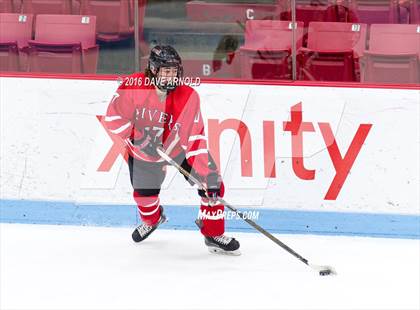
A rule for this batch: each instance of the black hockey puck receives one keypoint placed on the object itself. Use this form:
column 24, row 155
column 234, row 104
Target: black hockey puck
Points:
column 325, row 272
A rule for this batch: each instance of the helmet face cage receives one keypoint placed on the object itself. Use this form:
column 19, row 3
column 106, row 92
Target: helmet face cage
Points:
column 165, row 56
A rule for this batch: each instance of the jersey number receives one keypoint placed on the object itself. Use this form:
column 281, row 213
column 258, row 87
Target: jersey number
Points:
column 158, row 131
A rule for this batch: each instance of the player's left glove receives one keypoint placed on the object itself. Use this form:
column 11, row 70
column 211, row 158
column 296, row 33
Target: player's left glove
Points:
column 147, row 145
column 214, row 187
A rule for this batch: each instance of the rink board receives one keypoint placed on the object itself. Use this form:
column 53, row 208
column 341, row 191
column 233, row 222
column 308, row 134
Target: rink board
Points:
column 53, row 145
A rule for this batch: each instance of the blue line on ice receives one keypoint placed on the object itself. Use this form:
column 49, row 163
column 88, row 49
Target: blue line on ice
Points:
column 182, row 217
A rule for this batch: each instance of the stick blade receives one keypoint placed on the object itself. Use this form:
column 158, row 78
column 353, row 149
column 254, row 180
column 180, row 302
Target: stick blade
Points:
column 324, row 270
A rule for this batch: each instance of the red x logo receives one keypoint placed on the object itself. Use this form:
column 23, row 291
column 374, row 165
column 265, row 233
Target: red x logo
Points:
column 117, row 148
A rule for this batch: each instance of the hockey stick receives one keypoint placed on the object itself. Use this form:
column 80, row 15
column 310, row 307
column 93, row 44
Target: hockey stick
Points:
column 322, row 270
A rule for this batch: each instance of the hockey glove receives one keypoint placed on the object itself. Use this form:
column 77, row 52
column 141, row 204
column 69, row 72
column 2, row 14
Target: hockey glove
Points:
column 146, row 145
column 213, row 191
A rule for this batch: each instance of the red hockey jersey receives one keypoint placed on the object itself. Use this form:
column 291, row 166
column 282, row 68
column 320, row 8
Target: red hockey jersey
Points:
column 176, row 121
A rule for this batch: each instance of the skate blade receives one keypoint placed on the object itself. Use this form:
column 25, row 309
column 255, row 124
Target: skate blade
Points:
column 163, row 220
column 215, row 250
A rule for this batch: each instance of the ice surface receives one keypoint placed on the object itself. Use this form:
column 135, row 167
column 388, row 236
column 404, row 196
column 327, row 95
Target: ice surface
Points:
column 68, row 267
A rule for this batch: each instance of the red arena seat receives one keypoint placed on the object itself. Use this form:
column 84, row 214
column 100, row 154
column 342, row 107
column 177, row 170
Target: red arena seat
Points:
column 9, row 57
column 115, row 18
column 64, row 44
column 47, row 6
column 413, row 12
column 343, row 11
column 7, row 6
column 267, row 49
column 318, row 10
column 333, row 52
column 306, row 10
column 15, row 32
column 393, row 55
column 377, row 11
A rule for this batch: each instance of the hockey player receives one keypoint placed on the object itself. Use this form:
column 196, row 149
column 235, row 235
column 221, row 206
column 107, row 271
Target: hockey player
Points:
column 153, row 109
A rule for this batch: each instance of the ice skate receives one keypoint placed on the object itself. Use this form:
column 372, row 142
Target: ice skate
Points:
column 222, row 245
column 143, row 231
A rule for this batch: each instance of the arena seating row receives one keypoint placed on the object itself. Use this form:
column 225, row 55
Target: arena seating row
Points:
column 115, row 18
column 107, row 11
column 62, row 43
column 362, row 11
column 334, row 51
column 353, row 52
